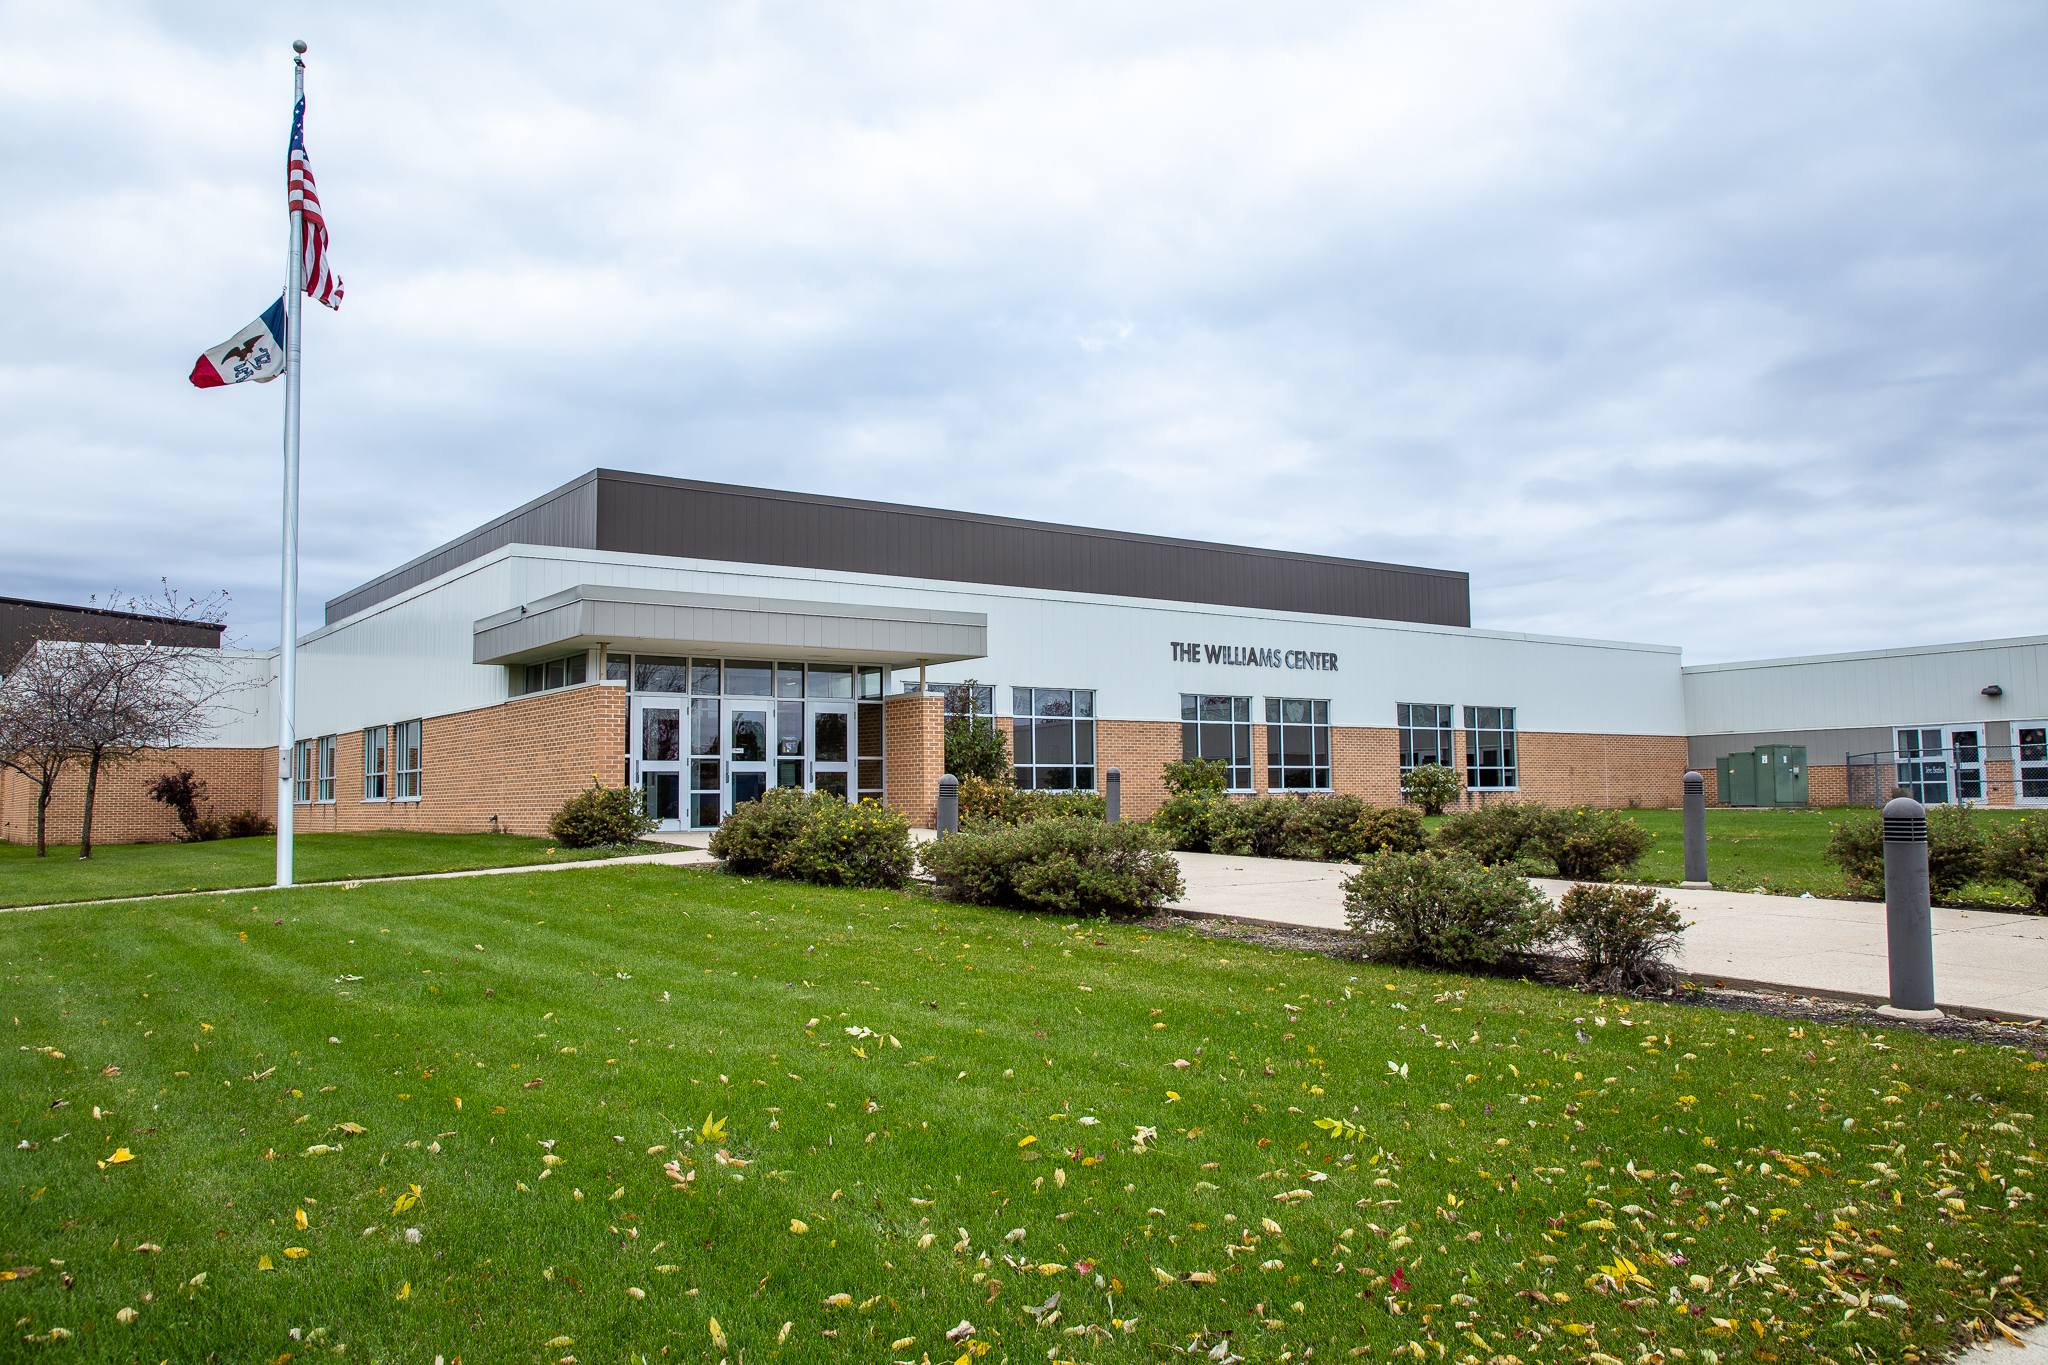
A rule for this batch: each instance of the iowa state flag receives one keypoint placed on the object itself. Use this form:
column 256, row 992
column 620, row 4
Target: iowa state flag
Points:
column 256, row 352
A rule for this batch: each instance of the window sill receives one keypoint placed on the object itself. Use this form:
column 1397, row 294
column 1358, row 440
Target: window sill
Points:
column 405, row 801
column 376, row 800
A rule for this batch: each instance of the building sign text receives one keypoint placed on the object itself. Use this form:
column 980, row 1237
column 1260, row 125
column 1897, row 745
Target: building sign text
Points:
column 1252, row 656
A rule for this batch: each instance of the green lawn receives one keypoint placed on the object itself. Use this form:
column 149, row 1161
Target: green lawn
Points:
column 468, row 1090
column 1780, row 851
column 151, row 869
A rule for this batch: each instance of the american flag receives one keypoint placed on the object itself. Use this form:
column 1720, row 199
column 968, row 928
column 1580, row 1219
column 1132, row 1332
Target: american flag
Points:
column 304, row 198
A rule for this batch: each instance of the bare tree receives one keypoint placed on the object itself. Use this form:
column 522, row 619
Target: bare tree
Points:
column 35, row 736
column 100, row 703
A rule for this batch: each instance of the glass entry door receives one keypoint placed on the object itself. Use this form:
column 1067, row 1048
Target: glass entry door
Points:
column 2030, row 762
column 832, row 748
column 1923, row 766
column 747, row 751
column 657, row 737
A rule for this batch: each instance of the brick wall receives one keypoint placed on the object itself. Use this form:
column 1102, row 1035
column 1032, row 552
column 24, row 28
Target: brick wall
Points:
column 236, row 779
column 914, row 755
column 517, row 761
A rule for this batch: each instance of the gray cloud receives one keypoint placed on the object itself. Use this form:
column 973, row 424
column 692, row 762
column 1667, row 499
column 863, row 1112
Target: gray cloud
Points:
column 1694, row 327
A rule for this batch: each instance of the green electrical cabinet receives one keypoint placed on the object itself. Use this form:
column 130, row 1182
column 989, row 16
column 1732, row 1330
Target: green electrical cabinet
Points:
column 1737, row 780
column 1771, row 775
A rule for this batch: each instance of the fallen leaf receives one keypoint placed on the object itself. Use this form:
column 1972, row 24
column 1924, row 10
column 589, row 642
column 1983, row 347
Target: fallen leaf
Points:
column 297, row 1253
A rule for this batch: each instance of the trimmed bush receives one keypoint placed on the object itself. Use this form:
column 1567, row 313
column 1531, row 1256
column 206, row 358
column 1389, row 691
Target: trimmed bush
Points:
column 815, row 838
column 1258, row 827
column 1957, row 853
column 1622, row 937
column 2019, row 851
column 1443, row 909
column 759, row 837
column 1387, row 829
column 1591, row 845
column 246, row 824
column 1432, row 786
column 1496, row 833
column 1073, row 865
column 996, row 802
column 601, row 815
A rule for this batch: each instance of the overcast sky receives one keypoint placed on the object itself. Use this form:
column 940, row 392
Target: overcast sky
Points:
column 1711, row 325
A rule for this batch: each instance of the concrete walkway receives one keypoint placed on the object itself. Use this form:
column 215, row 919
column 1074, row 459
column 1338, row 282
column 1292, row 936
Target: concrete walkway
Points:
column 1996, row 964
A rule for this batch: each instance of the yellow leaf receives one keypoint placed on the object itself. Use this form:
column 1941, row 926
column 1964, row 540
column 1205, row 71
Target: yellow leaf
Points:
column 1597, row 1225
column 1171, row 1095
column 799, row 1226
column 713, row 1131
column 717, row 1335
column 265, row 1263
column 120, row 1155
column 1027, row 1140
column 839, row 1301
column 559, row 1341
column 296, row 1253
column 902, row 1342
column 404, row 1291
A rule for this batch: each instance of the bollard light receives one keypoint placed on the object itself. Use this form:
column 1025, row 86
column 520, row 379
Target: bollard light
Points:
column 949, row 805
column 1113, row 796
column 1908, row 912
column 1696, row 834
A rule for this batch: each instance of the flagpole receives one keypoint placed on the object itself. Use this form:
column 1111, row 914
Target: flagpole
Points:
column 288, row 627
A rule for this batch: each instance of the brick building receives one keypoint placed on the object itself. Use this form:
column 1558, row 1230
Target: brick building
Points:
column 701, row 643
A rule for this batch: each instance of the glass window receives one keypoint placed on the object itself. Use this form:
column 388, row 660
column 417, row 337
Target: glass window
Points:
column 374, row 762
column 2033, row 760
column 618, row 668
column 704, row 677
column 1052, row 734
column 652, row 673
column 1219, row 728
column 1425, row 735
column 578, row 666
column 704, row 732
column 325, row 756
column 302, row 772
column 749, row 736
column 830, row 682
column 789, row 733
column 1490, row 747
column 535, row 678
column 968, row 698
column 405, row 744
column 870, row 683
column 1297, row 744
column 789, row 680
column 661, row 738
column 1923, row 766
column 747, row 678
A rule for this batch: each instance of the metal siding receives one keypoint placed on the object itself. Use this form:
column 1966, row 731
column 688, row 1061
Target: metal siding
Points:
column 1822, row 746
column 1934, row 685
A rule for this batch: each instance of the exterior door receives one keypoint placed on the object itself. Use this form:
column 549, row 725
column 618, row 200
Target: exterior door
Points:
column 2030, row 762
column 1923, row 766
column 1966, row 759
column 657, row 739
column 746, row 751
column 832, row 747
column 706, row 764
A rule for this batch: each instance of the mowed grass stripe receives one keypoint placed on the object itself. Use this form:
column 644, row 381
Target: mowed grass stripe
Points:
column 687, row 993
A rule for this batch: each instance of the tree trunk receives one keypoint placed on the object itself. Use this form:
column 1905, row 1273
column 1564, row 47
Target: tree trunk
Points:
column 43, row 795
column 92, row 780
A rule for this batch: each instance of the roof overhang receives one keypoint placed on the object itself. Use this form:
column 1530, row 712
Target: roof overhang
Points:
column 647, row 620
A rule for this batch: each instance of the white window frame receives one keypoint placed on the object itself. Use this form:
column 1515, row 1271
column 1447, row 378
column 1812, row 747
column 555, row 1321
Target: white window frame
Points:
column 303, row 761
column 377, row 763
column 323, row 773
column 1319, row 764
column 1081, row 721
column 407, row 738
column 1512, row 734
column 1240, row 730
column 1443, row 733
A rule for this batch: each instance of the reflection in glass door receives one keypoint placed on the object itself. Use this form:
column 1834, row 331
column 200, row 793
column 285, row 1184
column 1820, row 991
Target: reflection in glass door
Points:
column 2030, row 762
column 831, row 734
column 704, row 765
column 659, row 735
column 748, row 757
column 1923, row 766
column 789, row 742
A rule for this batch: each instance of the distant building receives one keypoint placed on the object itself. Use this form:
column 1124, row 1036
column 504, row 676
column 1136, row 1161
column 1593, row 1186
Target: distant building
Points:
column 703, row 643
column 23, row 622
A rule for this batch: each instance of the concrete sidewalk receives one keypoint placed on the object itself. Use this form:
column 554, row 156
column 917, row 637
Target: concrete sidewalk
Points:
column 1983, row 961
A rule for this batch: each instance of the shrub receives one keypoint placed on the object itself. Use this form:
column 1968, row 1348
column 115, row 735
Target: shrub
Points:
column 1442, row 908
column 245, row 824
column 1622, row 936
column 1324, row 827
column 1957, row 852
column 995, row 802
column 2019, row 851
column 815, row 838
column 1494, row 834
column 1069, row 864
column 1432, row 786
column 1588, row 844
column 1387, row 829
column 864, row 844
column 1188, row 820
column 1197, row 776
column 183, row 792
column 601, row 815
column 1256, row 826
column 758, row 836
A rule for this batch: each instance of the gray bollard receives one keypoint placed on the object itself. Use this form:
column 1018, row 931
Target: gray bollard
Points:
column 1696, row 834
column 1113, row 794
column 1908, row 917
column 949, row 805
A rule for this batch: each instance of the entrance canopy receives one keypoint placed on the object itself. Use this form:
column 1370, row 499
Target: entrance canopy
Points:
column 654, row 621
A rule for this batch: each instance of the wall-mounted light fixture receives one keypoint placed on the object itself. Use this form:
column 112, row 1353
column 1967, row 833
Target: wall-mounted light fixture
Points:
column 1994, row 691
